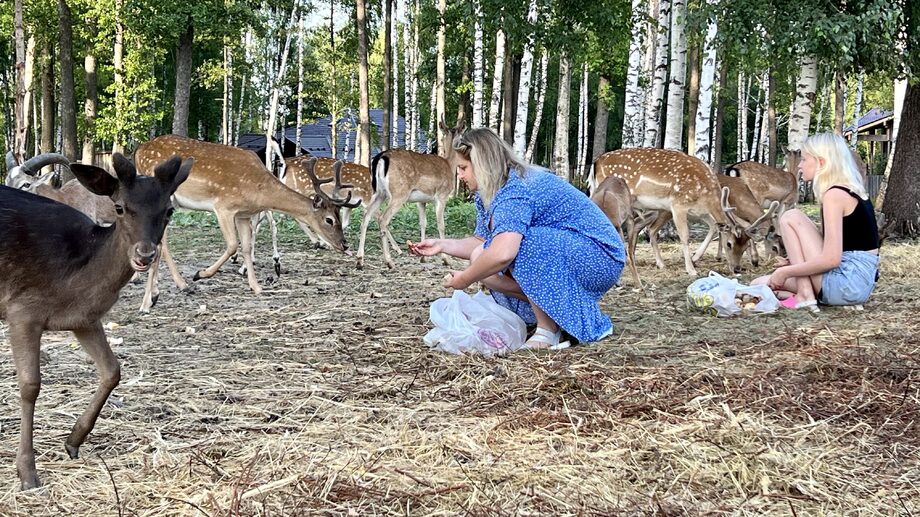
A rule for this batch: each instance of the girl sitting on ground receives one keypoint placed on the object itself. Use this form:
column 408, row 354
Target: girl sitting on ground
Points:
column 838, row 265
column 542, row 247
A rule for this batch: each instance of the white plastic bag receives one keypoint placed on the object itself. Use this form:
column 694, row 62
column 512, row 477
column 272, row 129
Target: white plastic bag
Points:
column 474, row 324
column 716, row 294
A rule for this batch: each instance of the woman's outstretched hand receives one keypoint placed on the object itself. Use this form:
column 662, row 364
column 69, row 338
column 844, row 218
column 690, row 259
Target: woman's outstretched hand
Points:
column 426, row 248
column 454, row 280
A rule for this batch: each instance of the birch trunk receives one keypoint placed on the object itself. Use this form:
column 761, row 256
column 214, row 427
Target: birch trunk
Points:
column 48, row 108
column 407, row 82
column 118, row 57
column 227, row 103
column 299, row 116
column 498, row 76
column 719, row 118
column 800, row 118
column 364, row 117
column 523, row 96
column 394, row 45
column 334, row 112
column 655, row 100
column 857, row 108
column 29, row 109
column 702, row 145
column 477, row 64
column 771, row 120
column 561, row 144
column 753, row 150
column 840, row 103
column 583, row 122
column 694, row 93
column 21, row 113
column 433, row 133
column 68, row 93
column 633, row 98
column 275, row 81
column 541, row 98
column 387, row 74
column 900, row 91
column 416, row 117
column 442, row 43
column 741, row 141
column 673, row 135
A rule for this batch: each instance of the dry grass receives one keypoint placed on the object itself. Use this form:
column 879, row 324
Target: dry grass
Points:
column 320, row 398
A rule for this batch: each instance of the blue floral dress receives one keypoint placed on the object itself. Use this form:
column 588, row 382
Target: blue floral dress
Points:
column 570, row 254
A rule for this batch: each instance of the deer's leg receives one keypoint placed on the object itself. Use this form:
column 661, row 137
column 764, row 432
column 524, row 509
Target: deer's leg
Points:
column 440, row 204
column 93, row 341
column 755, row 257
column 254, row 223
column 152, row 290
column 392, row 207
column 276, row 255
column 345, row 216
column 630, row 257
column 242, row 228
column 661, row 220
column 683, row 231
column 25, row 341
column 228, row 227
column 372, row 209
column 709, row 235
column 422, row 209
column 171, row 264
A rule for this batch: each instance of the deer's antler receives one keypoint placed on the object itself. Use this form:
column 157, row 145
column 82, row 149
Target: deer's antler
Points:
column 317, row 185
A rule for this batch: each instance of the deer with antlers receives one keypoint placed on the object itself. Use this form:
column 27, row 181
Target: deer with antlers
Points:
column 402, row 176
column 62, row 272
column 670, row 181
column 22, row 176
column 234, row 184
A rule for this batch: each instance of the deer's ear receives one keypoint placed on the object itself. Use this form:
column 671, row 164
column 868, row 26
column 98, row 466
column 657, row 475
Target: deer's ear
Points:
column 174, row 171
column 124, row 168
column 96, row 180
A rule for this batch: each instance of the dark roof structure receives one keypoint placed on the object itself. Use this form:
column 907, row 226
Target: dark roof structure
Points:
column 871, row 118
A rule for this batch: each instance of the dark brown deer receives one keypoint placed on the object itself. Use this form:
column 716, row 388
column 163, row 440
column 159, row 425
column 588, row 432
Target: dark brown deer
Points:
column 62, row 272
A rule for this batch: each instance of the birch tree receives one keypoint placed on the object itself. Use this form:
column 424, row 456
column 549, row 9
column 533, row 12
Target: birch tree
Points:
column 387, row 74
column 364, row 136
column 600, row 118
column 704, row 106
column 21, row 113
column 541, row 97
column 477, row 64
column 523, row 96
column 857, row 108
column 68, row 94
column 655, row 99
column 674, row 127
column 89, row 105
column 275, row 83
column 299, row 119
column 800, row 116
column 561, row 145
column 582, row 123
column 498, row 74
column 633, row 97
column 441, row 78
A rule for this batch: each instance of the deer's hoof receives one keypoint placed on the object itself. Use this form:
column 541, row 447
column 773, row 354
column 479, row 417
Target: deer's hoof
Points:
column 360, row 263
column 153, row 301
column 197, row 276
column 391, row 264
column 73, row 452
column 277, row 267
column 30, row 482
column 242, row 271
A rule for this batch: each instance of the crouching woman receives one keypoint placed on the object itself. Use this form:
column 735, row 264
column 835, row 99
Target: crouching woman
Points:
column 543, row 249
column 838, row 266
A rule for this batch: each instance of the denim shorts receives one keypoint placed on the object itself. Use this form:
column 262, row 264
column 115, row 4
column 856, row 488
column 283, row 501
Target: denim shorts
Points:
column 852, row 281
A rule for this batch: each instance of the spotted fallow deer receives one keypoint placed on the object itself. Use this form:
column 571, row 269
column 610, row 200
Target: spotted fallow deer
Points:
column 235, row 185
column 62, row 272
column 614, row 199
column 746, row 212
column 399, row 176
column 671, row 181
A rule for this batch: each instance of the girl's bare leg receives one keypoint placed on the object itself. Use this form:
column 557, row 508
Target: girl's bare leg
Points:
column 803, row 242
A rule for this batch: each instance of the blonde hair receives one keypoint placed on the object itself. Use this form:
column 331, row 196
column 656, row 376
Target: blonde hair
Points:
column 492, row 160
column 838, row 168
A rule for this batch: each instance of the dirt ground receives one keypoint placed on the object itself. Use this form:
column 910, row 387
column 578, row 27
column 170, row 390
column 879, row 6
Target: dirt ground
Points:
column 319, row 397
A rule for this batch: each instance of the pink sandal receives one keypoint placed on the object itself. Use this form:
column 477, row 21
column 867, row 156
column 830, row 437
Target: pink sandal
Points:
column 792, row 303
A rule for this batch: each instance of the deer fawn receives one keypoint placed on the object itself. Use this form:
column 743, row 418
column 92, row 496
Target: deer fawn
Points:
column 614, row 199
column 235, row 185
column 62, row 272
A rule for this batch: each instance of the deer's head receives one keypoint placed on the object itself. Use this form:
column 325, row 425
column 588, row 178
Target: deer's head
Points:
column 142, row 203
column 327, row 222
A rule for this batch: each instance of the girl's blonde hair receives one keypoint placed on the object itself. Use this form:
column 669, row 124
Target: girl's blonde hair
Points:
column 839, row 166
column 492, row 160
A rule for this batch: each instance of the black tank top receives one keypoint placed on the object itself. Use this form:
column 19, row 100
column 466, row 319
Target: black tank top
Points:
column 860, row 231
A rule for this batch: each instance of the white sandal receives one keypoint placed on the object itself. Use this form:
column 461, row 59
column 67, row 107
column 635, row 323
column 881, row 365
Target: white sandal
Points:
column 543, row 339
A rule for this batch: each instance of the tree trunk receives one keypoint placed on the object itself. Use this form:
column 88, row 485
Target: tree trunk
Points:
column 227, row 103
column 600, row 119
column 857, row 109
column 334, row 112
column 498, row 75
column 477, row 64
column 48, row 107
column 655, row 100
column 89, row 105
column 21, row 113
column 561, row 144
column 800, row 118
column 363, row 87
column 673, row 135
column 694, row 94
column 523, row 95
column 387, row 73
column 441, row 78
column 753, row 149
column 633, row 98
column 394, row 63
column 741, row 140
column 839, row 101
column 183, row 80
column 416, row 108
column 902, row 212
column 464, row 101
column 118, row 57
column 68, row 95
column 900, row 91
column 541, row 98
column 275, row 83
column 771, row 120
column 582, row 123
column 720, row 117
column 702, row 145
column 508, row 102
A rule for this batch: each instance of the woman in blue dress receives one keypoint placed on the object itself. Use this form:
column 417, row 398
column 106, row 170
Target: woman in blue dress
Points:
column 541, row 246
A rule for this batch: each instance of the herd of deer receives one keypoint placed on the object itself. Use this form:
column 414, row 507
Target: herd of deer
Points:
column 64, row 266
